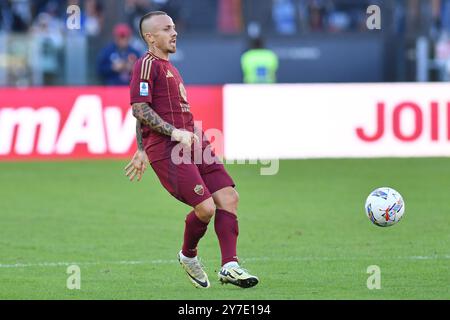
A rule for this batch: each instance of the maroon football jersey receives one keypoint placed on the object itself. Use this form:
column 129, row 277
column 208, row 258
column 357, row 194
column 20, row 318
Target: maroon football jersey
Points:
column 157, row 82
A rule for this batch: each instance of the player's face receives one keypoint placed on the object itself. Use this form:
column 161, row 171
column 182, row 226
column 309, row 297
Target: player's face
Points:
column 164, row 35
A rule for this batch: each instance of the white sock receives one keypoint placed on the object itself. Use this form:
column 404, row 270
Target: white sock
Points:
column 182, row 256
column 231, row 264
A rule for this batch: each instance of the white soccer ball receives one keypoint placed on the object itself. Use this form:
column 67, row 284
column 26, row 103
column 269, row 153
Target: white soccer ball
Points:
column 385, row 207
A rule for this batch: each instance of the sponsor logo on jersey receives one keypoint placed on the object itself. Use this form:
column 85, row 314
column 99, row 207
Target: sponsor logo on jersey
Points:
column 143, row 89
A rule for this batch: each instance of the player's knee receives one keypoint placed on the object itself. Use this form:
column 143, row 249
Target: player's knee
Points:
column 206, row 210
column 229, row 201
column 233, row 198
column 210, row 210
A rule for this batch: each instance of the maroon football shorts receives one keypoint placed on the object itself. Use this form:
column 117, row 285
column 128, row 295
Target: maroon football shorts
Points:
column 192, row 183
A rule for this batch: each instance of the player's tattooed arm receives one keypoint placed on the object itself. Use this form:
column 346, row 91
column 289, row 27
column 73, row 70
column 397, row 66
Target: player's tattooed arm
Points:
column 138, row 164
column 146, row 115
column 140, row 143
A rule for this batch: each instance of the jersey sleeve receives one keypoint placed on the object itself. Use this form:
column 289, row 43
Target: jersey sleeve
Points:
column 142, row 81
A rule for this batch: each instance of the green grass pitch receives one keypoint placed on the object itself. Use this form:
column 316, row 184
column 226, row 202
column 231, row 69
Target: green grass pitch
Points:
column 303, row 232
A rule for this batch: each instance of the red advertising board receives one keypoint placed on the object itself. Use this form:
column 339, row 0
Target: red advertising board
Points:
column 83, row 122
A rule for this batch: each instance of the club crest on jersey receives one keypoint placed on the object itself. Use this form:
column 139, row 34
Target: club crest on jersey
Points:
column 143, row 89
column 199, row 190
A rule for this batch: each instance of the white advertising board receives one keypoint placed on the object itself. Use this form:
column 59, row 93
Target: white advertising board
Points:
column 336, row 120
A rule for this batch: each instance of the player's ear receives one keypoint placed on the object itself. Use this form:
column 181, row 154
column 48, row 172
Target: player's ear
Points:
column 149, row 37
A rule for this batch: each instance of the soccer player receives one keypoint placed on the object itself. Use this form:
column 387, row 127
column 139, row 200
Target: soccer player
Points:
column 164, row 120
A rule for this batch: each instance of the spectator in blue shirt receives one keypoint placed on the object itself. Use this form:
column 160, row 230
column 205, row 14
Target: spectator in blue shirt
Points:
column 116, row 60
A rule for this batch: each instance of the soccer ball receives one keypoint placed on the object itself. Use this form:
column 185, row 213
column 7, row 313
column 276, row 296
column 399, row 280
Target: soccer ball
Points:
column 385, row 207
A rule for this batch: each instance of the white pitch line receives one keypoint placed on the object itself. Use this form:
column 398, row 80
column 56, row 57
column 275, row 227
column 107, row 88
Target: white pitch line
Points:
column 64, row 264
column 160, row 261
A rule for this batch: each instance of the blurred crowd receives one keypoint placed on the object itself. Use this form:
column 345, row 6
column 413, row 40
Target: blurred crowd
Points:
column 114, row 24
column 20, row 16
column 223, row 16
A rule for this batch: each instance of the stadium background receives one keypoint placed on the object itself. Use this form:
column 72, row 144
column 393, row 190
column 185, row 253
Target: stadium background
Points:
column 354, row 109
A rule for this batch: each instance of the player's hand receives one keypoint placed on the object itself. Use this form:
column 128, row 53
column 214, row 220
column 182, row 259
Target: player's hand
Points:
column 184, row 137
column 137, row 166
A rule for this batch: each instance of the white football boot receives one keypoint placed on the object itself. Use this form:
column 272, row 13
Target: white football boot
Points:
column 234, row 274
column 194, row 270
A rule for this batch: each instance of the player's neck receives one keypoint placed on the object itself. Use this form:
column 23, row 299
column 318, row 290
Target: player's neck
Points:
column 160, row 54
